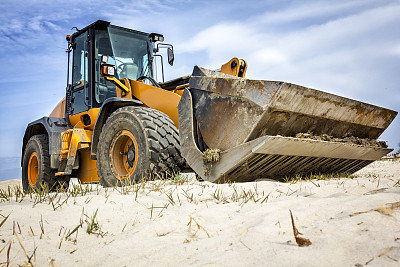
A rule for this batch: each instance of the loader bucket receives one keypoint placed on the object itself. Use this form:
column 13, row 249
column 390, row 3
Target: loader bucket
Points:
column 239, row 129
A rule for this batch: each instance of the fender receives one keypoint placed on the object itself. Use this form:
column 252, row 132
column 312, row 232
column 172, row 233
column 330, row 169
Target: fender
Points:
column 109, row 106
column 51, row 126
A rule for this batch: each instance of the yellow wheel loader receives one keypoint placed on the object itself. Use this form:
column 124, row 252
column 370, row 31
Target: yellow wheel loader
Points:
column 117, row 124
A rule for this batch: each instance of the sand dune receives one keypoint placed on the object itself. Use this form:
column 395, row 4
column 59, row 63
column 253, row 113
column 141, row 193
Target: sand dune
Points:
column 350, row 222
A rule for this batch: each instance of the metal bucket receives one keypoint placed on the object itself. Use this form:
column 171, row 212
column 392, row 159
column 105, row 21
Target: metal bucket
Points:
column 254, row 123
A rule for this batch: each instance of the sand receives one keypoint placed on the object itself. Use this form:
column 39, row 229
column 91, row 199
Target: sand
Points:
column 348, row 221
column 5, row 184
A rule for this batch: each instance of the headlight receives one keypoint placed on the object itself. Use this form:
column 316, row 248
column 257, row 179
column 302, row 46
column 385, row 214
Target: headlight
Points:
column 107, row 70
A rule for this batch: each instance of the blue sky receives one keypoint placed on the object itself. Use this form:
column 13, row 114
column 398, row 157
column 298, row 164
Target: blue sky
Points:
column 350, row 48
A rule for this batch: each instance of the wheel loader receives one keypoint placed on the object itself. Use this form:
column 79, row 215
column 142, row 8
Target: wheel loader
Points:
column 117, row 124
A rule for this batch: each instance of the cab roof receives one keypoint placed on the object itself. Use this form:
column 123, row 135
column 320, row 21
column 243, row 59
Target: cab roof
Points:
column 102, row 25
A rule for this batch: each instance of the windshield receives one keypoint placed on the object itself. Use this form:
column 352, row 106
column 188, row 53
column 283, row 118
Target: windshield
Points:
column 130, row 52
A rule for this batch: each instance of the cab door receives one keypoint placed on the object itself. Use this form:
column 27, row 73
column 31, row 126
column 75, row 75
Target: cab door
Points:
column 80, row 75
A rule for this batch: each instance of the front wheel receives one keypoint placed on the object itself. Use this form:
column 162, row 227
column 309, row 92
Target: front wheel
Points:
column 137, row 143
column 36, row 171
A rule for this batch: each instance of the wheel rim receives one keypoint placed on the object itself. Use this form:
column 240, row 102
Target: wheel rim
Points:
column 33, row 169
column 123, row 155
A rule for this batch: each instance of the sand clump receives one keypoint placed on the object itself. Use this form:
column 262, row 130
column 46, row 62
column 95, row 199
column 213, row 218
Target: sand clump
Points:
column 210, row 156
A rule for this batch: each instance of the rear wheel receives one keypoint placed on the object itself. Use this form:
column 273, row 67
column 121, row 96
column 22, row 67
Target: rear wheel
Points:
column 36, row 171
column 137, row 143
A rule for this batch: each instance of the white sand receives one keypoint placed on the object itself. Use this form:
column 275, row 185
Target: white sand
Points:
column 5, row 184
column 240, row 233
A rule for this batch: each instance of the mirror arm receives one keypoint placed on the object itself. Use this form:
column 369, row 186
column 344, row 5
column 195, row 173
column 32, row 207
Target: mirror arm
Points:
column 162, row 45
column 169, row 46
column 162, row 65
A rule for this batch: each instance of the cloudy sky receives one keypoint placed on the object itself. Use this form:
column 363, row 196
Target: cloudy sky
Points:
column 350, row 48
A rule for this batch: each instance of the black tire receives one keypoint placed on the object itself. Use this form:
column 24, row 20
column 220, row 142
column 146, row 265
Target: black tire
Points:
column 46, row 178
column 157, row 146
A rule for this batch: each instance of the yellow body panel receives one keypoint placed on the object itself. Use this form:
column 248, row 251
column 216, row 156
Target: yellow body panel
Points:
column 73, row 140
column 93, row 113
column 87, row 172
column 66, row 138
column 59, row 110
column 157, row 98
column 179, row 92
column 125, row 92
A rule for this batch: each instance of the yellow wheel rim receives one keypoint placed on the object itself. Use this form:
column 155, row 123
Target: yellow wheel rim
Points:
column 33, row 169
column 123, row 155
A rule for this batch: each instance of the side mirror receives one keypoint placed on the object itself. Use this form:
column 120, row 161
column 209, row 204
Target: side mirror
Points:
column 170, row 53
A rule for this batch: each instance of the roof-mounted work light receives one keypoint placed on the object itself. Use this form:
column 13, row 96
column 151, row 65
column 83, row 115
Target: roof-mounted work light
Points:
column 156, row 37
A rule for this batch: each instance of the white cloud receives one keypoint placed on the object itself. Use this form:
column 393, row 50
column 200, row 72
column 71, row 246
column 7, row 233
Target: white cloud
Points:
column 307, row 10
column 36, row 23
column 396, row 50
column 271, row 55
column 330, row 45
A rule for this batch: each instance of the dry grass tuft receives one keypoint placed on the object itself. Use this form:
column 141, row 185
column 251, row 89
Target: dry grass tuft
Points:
column 197, row 227
column 386, row 209
column 316, row 176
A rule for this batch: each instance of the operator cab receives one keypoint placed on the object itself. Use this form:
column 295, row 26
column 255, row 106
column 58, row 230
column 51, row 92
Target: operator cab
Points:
column 130, row 51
